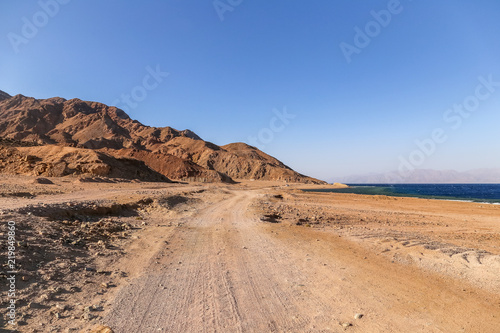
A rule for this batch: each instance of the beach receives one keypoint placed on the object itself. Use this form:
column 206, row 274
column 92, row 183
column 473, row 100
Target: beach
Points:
column 255, row 256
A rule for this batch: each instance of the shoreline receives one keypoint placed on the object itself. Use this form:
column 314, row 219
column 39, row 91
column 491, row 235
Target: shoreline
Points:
column 451, row 237
column 384, row 190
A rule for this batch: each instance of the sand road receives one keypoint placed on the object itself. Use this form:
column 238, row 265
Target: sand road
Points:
column 226, row 271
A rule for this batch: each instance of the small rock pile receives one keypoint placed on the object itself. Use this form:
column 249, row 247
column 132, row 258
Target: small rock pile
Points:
column 81, row 233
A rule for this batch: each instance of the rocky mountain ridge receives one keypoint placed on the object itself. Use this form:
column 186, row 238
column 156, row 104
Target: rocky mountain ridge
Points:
column 109, row 131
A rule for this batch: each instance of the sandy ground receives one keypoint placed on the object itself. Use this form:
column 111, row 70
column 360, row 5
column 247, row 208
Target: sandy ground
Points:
column 152, row 257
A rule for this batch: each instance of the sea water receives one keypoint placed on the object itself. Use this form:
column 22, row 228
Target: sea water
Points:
column 467, row 192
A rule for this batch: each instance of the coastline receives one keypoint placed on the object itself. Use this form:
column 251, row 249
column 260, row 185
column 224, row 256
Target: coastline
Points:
column 463, row 228
column 402, row 190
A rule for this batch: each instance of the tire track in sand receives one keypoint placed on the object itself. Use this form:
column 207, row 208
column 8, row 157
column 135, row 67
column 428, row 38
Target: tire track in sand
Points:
column 224, row 271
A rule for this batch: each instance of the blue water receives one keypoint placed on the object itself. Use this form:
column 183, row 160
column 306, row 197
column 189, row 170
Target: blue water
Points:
column 470, row 192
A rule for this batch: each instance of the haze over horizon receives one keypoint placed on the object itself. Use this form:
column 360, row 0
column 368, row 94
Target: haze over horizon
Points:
column 331, row 89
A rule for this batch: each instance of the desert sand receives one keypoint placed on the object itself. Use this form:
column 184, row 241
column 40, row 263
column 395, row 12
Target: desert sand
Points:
column 126, row 256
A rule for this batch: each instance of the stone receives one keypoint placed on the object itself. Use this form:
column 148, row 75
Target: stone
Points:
column 44, row 181
column 88, row 316
column 62, row 307
column 102, row 329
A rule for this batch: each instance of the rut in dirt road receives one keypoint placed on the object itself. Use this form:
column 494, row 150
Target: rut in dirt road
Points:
column 225, row 271
column 209, row 280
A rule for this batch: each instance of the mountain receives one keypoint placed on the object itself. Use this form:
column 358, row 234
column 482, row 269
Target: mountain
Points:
column 3, row 95
column 110, row 132
column 420, row 176
column 485, row 175
column 58, row 161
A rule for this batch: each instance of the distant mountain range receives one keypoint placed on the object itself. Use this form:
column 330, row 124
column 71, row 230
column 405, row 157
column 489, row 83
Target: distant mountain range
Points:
column 421, row 176
column 58, row 137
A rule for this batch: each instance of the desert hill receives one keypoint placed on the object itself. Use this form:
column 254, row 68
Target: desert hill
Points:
column 58, row 161
column 4, row 95
column 107, row 135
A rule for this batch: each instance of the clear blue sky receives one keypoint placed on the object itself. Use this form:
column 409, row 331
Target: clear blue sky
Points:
column 227, row 76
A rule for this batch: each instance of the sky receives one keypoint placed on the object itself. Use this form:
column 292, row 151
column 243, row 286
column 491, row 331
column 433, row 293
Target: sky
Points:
column 331, row 88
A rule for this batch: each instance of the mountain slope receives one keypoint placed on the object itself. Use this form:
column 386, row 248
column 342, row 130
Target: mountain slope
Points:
column 3, row 95
column 180, row 155
column 58, row 161
column 78, row 123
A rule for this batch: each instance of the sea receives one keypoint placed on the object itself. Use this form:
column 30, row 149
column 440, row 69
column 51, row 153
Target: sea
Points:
column 487, row 193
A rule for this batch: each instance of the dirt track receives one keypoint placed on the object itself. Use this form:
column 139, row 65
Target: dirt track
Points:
column 226, row 271
column 198, row 258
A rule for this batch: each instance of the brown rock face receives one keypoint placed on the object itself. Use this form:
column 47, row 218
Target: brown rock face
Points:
column 102, row 137
column 3, row 95
column 102, row 329
column 58, row 161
